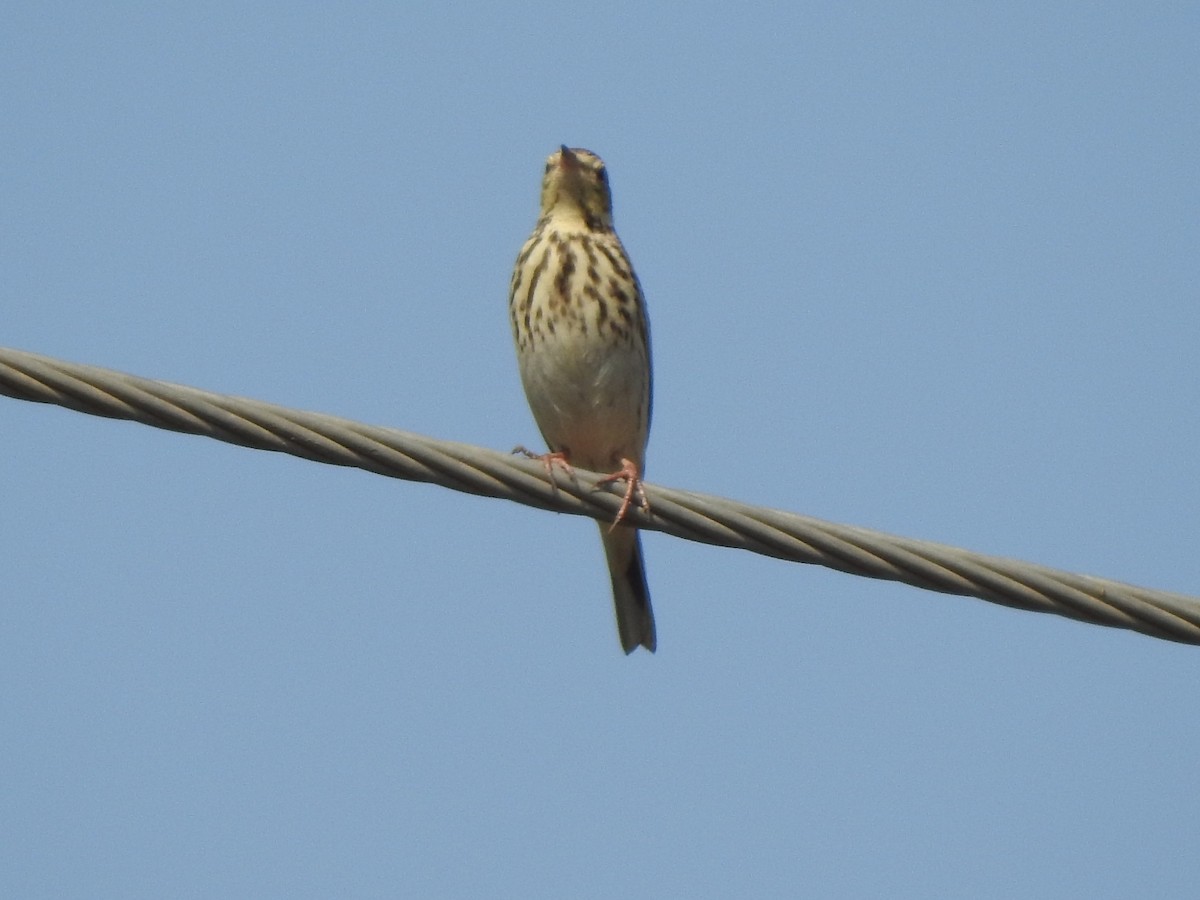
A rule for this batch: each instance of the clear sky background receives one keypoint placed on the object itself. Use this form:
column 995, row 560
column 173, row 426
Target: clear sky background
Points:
column 929, row 268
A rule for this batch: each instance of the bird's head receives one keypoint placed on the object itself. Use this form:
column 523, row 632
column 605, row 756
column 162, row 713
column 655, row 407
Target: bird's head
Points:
column 576, row 185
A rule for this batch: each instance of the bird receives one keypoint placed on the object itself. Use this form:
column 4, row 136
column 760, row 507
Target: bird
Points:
column 582, row 338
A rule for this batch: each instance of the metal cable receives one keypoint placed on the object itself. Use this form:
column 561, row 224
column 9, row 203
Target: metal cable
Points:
column 698, row 517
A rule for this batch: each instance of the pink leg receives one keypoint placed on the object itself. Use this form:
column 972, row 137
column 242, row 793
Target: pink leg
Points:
column 548, row 460
column 633, row 479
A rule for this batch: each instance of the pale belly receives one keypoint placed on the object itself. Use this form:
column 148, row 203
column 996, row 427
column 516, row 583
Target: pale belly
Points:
column 590, row 398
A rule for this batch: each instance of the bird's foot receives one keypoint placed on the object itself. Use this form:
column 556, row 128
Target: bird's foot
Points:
column 633, row 488
column 548, row 460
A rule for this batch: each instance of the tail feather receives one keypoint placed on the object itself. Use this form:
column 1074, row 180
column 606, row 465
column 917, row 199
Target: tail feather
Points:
column 631, row 595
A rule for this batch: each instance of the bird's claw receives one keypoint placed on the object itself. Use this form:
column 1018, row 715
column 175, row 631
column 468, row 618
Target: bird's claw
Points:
column 633, row 488
column 548, row 460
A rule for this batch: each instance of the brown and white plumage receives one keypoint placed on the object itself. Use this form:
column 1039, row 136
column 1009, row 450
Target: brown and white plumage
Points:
column 583, row 347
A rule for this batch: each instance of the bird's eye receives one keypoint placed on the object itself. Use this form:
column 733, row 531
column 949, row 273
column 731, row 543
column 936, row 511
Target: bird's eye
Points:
column 602, row 174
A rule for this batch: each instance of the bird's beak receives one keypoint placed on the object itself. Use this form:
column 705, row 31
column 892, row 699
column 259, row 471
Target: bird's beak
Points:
column 568, row 157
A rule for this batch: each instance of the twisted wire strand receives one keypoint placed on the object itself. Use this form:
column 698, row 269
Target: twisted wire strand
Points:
column 697, row 517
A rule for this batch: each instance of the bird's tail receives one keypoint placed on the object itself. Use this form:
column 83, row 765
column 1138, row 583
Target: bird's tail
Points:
column 631, row 596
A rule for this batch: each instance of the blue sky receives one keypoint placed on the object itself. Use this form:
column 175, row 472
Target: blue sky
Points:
column 928, row 268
